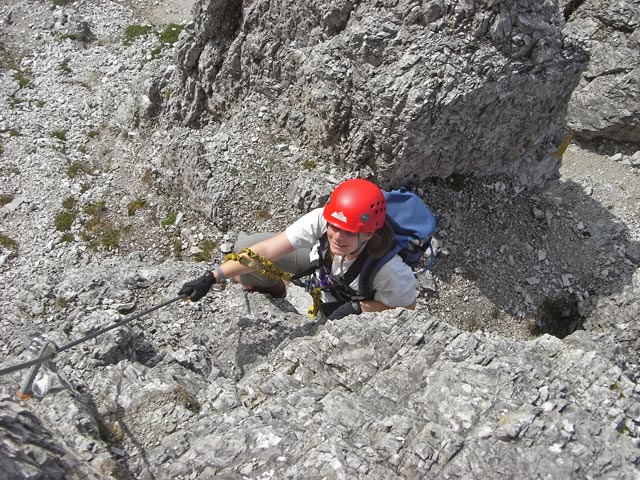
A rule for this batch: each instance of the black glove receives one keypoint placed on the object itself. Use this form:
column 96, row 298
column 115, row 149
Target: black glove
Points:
column 349, row 308
column 198, row 288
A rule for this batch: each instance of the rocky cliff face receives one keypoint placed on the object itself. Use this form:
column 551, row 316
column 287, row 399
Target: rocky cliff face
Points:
column 99, row 218
column 606, row 103
column 248, row 388
column 409, row 87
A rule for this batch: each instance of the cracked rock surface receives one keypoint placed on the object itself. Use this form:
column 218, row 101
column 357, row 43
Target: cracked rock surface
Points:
column 520, row 361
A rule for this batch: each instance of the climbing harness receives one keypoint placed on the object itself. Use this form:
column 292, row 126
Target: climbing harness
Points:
column 48, row 350
column 318, row 279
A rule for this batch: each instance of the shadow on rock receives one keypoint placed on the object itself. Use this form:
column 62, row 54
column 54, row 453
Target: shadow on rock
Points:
column 257, row 338
column 539, row 256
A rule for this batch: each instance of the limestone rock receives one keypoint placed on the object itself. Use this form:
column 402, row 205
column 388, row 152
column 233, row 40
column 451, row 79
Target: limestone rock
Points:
column 606, row 103
column 240, row 385
column 428, row 88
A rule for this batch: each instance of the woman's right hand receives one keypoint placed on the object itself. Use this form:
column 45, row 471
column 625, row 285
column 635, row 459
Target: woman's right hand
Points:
column 198, row 288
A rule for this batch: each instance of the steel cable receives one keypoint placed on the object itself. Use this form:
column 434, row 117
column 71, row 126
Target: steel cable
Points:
column 20, row 366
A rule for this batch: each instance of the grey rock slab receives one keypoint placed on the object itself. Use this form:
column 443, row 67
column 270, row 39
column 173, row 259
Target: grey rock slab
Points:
column 403, row 90
column 605, row 102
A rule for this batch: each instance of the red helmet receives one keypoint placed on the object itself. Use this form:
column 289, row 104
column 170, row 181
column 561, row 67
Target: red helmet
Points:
column 356, row 206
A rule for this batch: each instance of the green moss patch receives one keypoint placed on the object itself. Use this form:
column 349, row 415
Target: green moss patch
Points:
column 5, row 198
column 64, row 220
column 134, row 31
column 9, row 243
column 135, row 205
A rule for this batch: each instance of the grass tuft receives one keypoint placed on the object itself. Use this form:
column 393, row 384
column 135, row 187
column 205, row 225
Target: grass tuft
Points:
column 95, row 208
column 262, row 214
column 62, row 303
column 99, row 231
column 64, row 67
column 207, row 248
column 309, row 164
column 170, row 219
column 22, row 77
column 69, row 203
column 60, row 135
column 136, row 205
column 9, row 243
column 110, row 239
column 167, row 37
column 134, row 31
column 64, row 220
column 76, row 168
column 185, row 398
column 6, row 198
column 147, row 177
column 170, row 35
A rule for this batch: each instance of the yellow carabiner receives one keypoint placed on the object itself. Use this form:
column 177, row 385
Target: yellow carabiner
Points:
column 315, row 308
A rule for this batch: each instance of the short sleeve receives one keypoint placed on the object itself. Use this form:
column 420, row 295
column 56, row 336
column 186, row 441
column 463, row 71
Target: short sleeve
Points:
column 306, row 231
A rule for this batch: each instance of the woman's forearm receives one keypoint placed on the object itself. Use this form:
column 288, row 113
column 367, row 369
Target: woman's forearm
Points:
column 376, row 306
column 272, row 249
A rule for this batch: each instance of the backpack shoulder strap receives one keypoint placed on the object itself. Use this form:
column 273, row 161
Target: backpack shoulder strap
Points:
column 323, row 248
column 356, row 268
column 371, row 268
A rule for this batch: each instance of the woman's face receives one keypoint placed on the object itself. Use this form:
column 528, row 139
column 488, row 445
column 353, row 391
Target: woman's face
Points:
column 342, row 242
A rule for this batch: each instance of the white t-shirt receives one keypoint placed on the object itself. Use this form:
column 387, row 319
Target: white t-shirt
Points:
column 394, row 284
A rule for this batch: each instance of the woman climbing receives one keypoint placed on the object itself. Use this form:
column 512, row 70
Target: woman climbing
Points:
column 330, row 244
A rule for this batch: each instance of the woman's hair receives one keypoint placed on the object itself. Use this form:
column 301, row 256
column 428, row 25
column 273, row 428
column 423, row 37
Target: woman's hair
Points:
column 381, row 241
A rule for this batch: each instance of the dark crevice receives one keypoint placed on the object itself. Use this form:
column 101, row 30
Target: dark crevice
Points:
column 615, row 71
column 616, row 25
column 558, row 317
column 570, row 8
column 338, row 19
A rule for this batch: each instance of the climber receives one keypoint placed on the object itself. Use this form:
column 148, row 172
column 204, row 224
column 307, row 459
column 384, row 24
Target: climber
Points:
column 324, row 244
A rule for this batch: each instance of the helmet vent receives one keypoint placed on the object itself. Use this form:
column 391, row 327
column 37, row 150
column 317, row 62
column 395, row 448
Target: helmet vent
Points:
column 360, row 202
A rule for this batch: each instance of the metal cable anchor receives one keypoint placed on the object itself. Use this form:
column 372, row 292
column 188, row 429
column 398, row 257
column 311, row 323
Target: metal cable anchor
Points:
column 43, row 349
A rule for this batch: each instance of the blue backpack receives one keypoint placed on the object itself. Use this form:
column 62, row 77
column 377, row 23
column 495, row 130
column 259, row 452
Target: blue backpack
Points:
column 413, row 224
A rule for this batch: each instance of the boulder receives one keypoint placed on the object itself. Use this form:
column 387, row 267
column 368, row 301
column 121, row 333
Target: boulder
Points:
column 606, row 103
column 429, row 88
